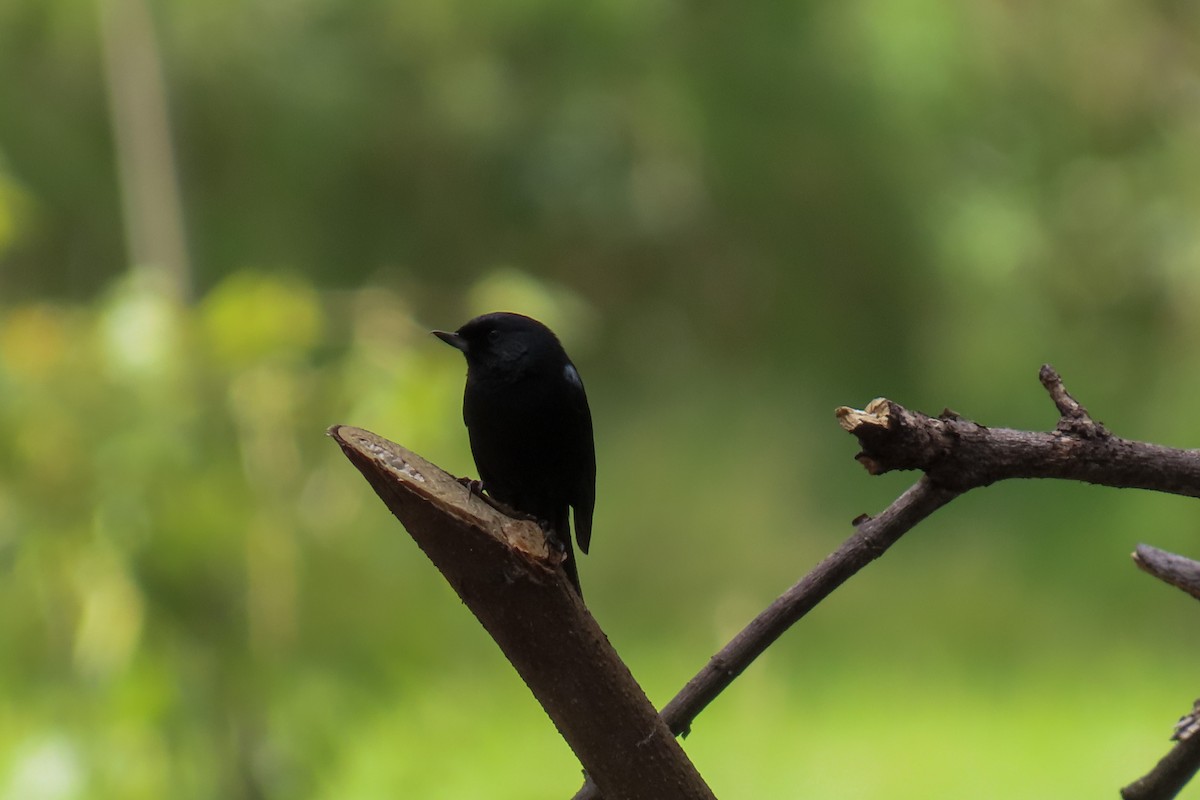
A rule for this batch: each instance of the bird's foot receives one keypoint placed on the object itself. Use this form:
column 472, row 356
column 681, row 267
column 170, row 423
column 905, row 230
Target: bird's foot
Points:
column 552, row 537
column 474, row 486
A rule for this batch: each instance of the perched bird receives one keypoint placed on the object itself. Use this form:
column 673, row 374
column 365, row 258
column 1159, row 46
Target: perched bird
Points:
column 529, row 424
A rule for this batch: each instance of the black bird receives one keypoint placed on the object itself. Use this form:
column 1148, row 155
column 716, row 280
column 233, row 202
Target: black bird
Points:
column 529, row 424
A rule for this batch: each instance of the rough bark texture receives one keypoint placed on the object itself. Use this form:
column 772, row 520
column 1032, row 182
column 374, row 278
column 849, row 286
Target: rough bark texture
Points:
column 507, row 575
column 872, row 539
column 956, row 455
column 504, row 571
column 959, row 454
column 874, row 535
column 1169, row 776
column 1176, row 769
column 1182, row 573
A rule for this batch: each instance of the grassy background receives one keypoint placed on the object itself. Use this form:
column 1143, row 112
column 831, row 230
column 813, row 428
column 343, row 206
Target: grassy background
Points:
column 737, row 219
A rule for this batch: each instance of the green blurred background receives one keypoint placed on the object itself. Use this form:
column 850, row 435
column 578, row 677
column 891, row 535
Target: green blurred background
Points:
column 225, row 226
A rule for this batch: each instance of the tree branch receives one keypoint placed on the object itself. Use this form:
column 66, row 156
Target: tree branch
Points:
column 871, row 540
column 1177, row 767
column 956, row 455
column 1073, row 417
column 960, row 454
column 1170, row 775
column 1182, row 573
column 505, row 572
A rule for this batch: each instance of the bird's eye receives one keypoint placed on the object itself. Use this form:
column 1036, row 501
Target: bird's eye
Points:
column 493, row 335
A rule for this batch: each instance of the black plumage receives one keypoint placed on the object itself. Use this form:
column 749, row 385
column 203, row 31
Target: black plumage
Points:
column 530, row 427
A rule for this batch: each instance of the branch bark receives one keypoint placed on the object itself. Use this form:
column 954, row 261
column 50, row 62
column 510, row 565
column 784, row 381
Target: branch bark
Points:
column 959, row 454
column 1177, row 767
column 956, row 455
column 962, row 455
column 505, row 572
column 871, row 540
column 1170, row 775
column 1182, row 573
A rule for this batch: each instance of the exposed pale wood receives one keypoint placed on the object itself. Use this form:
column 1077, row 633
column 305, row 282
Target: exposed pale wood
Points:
column 508, row 576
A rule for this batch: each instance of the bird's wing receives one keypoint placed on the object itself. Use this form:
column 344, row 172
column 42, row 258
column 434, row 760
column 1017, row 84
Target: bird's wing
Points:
column 583, row 498
column 583, row 520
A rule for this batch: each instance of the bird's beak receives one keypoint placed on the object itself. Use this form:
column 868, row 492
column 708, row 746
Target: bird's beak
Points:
column 452, row 339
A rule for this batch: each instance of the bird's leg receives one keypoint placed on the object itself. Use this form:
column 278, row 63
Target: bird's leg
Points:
column 553, row 536
column 474, row 486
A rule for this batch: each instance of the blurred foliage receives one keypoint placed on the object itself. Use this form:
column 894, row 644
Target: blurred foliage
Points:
column 737, row 218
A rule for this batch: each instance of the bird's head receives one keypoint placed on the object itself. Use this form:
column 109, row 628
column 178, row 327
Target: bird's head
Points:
column 505, row 341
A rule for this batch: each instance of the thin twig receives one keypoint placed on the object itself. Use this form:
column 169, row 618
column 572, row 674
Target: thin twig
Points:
column 1182, row 573
column 1177, row 767
column 1169, row 776
column 871, row 540
column 956, row 455
column 1074, row 418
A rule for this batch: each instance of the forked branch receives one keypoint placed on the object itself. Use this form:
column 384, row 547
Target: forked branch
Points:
column 1178, row 766
column 505, row 572
column 960, row 454
column 956, row 455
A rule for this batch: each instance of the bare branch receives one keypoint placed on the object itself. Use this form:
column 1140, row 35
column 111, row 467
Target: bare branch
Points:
column 871, row 540
column 1177, row 767
column 1182, row 573
column 1074, row 418
column 564, row 657
column 874, row 535
column 1170, row 775
column 505, row 572
column 961, row 455
column 956, row 455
